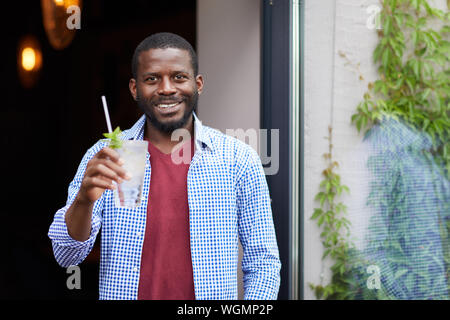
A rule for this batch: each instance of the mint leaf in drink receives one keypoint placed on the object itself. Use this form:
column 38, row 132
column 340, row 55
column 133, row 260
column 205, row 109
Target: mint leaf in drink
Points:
column 116, row 142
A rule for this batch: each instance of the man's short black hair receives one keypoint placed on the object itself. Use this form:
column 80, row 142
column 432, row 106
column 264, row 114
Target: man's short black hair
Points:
column 163, row 40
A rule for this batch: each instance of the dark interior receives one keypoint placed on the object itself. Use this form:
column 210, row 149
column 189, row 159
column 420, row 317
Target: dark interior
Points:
column 48, row 128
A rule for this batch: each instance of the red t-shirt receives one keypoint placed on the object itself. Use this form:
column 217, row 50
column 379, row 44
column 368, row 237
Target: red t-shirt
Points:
column 166, row 264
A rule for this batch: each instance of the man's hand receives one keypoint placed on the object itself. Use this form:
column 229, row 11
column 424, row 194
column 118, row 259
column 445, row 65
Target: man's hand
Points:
column 104, row 168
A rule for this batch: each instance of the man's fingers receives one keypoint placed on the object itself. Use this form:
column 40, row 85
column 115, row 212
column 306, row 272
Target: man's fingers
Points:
column 118, row 169
column 97, row 182
column 106, row 167
column 107, row 180
column 109, row 154
column 104, row 171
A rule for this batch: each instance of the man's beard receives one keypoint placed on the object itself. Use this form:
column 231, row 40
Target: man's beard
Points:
column 168, row 127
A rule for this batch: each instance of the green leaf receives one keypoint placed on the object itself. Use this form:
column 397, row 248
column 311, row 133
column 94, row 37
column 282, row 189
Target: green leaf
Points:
column 411, row 111
column 397, row 49
column 421, row 52
column 330, row 198
column 328, row 187
column 115, row 137
column 426, row 93
column 364, row 122
column 346, row 189
column 398, row 19
column 427, row 8
column 410, row 84
column 437, row 125
column 386, row 57
column 317, row 213
column 398, row 84
column 377, row 53
column 415, row 37
column 326, row 253
column 358, row 123
column 342, row 269
column 321, row 220
column 387, row 26
column 426, row 122
column 321, row 196
column 378, row 86
column 416, row 68
column 421, row 22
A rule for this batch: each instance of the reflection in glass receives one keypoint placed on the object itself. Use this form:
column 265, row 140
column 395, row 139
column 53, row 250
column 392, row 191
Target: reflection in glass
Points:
column 408, row 212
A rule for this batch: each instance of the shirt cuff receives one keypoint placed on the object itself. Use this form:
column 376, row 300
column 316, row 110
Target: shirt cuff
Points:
column 59, row 233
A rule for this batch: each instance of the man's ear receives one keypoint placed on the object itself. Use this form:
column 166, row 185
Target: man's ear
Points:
column 132, row 86
column 199, row 82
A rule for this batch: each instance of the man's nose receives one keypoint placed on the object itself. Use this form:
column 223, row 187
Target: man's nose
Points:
column 166, row 87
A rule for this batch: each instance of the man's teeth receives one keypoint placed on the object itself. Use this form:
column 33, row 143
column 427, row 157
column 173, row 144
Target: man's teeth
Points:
column 167, row 105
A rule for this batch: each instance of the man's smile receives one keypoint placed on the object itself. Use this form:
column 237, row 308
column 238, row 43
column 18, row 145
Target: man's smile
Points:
column 167, row 108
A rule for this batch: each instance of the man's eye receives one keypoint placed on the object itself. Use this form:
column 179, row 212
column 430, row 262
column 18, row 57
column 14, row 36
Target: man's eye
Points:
column 150, row 79
column 180, row 76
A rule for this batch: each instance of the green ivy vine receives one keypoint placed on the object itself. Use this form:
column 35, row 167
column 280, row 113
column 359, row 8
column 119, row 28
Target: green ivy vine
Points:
column 414, row 73
column 413, row 86
column 336, row 228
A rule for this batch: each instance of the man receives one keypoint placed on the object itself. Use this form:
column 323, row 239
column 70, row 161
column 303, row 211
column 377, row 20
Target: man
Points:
column 183, row 243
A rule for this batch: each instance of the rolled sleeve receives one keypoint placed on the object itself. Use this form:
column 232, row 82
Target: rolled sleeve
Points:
column 67, row 250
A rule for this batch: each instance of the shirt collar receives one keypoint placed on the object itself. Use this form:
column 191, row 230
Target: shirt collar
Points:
column 201, row 136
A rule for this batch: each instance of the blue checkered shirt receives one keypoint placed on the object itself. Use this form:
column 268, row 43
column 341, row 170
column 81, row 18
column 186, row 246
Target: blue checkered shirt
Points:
column 228, row 201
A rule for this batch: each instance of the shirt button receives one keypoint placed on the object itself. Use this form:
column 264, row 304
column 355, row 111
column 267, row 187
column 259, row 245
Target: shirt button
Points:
column 139, row 234
column 135, row 269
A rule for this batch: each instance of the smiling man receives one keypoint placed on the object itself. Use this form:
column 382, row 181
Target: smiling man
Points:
column 183, row 243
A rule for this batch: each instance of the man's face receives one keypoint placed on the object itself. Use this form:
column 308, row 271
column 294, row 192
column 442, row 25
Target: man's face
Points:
column 166, row 88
